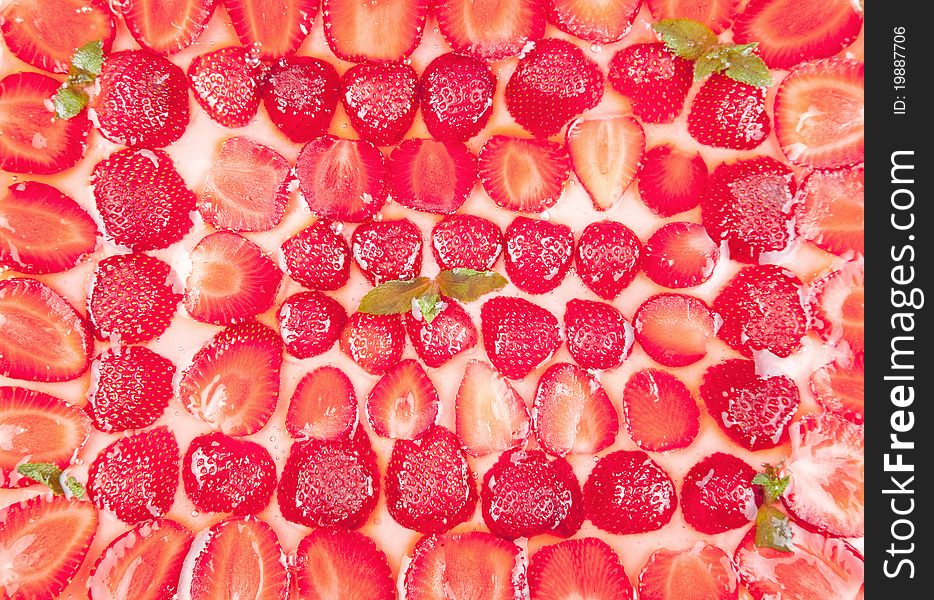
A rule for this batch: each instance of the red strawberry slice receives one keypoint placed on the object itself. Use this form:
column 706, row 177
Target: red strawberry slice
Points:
column 456, row 96
column 466, row 242
column 582, row 568
column 837, row 307
column 553, row 83
column 627, row 492
column 489, row 414
column 225, row 474
column 300, row 94
column 42, row 230
column 538, row 254
column 136, row 477
column 490, row 31
column 429, row 485
column 791, row 31
column 601, row 23
column 231, row 280
column 607, row 258
column 671, row 180
column 599, row 336
column 273, row 27
column 680, row 255
column 33, row 140
column 166, row 27
column 761, row 310
column 704, row 571
column 323, row 407
column 143, row 201
column 717, row 494
column 132, row 298
column 386, row 31
column 404, row 402
column 449, row 333
column 37, row 428
column 661, row 414
column 388, row 250
column 233, row 381
column 334, row 563
column 342, row 180
column 715, row 14
column 430, row 176
column 225, row 83
column 674, row 329
column 45, row 34
column 374, row 342
column 518, row 336
column 143, row 563
column 523, row 175
column 831, row 213
column 380, row 100
column 464, row 565
column 42, row 337
column 329, row 482
column 655, row 80
column 143, row 99
column 310, row 323
column 44, row 542
column 819, row 113
column 572, row 413
column 317, row 257
column 827, row 472
column 606, row 153
column 726, row 113
column 840, row 390
column 130, row 388
column 753, row 410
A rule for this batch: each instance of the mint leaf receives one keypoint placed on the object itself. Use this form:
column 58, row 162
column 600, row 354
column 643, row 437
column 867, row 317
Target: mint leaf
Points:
column 394, row 297
column 771, row 481
column 748, row 68
column 89, row 58
column 86, row 65
column 686, row 38
column 467, row 285
column 773, row 529
column 707, row 65
column 429, row 304
column 74, row 486
column 51, row 476
column 69, row 101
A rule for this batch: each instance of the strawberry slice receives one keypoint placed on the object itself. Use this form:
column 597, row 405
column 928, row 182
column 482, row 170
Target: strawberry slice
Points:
column 627, row 492
column 374, row 342
column 310, row 323
column 42, row 230
column 342, row 180
column 37, row 428
column 130, row 388
column 819, row 113
column 451, row 332
column 231, row 280
column 334, row 563
column 680, row 255
column 607, row 258
column 143, row 563
column 225, row 83
column 791, row 31
column 726, row 113
column 606, row 153
column 661, row 415
column 225, row 474
column 166, row 27
column 233, row 381
column 840, row 390
column 33, row 140
column 827, row 471
column 456, row 95
column 831, row 213
column 466, row 242
column 44, row 541
column 523, row 175
column 317, row 257
column 489, row 414
column 42, row 337
column 717, row 494
column 388, row 250
column 300, row 94
column 655, row 81
column 273, row 27
column 582, row 568
column 136, row 477
column 572, row 413
column 715, row 14
column 837, row 311
column 430, row 176
column 599, row 336
column 601, row 23
column 538, row 254
column 704, row 571
column 380, row 100
column 518, row 336
column 403, row 404
column 490, row 31
column 323, row 406
column 671, row 180
column 674, row 329
column 384, row 31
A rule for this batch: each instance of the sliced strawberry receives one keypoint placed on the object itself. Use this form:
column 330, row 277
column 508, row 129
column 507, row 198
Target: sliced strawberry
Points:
column 387, row 250
column 164, row 26
column 429, row 485
column 230, row 475
column 704, row 571
column 323, row 407
column 518, row 336
column 490, row 31
column 680, row 255
column 717, row 494
column 523, row 175
column 606, row 152
column 715, row 14
column 300, row 94
column 466, row 242
column 726, row 113
column 143, row 563
column 330, row 482
column 671, row 180
column 601, row 23
column 225, row 83
column 33, row 140
column 342, row 180
column 143, row 100
column 42, row 337
column 136, row 477
column 627, row 492
column 380, row 100
column 273, row 27
column 791, row 31
column 334, row 563
column 374, row 342
column 430, row 176
column 655, row 80
column 599, row 336
column 840, row 390
column 661, row 414
column 143, row 201
column 130, row 388
column 132, row 298
column 582, row 568
column 572, row 413
column 819, row 113
column 490, row 415
column 317, row 257
column 674, row 329
column 386, row 31
column 44, row 541
column 456, row 95
column 403, row 404
column 538, row 254
column 831, row 210
column 231, row 280
column 449, row 333
column 42, row 230
column 310, row 323
column 837, row 310
column 607, row 258
column 753, row 410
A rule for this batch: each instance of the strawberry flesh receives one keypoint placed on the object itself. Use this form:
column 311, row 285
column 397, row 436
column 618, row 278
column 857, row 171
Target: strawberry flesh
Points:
column 335, row 563
column 831, row 212
column 489, row 414
column 606, row 153
column 275, row 28
column 230, row 475
column 456, row 97
column 674, row 329
column 661, row 415
column 130, row 388
column 342, row 180
column 317, row 257
column 703, row 571
column 837, row 308
column 537, row 254
column 580, row 568
column 380, row 100
column 715, row 14
column 374, row 342
column 680, row 255
column 323, row 406
column 627, row 492
column 518, row 336
column 726, row 113
column 385, row 31
column 572, row 412
column 404, row 403
column 840, row 390
column 490, row 31
column 300, row 94
column 225, row 84
column 166, row 27
column 671, row 180
column 310, row 323
column 655, row 81
column 523, row 175
column 599, row 337
column 600, row 23
column 462, row 241
column 451, row 332
column 388, row 250
column 431, row 176
column 717, row 494
column 607, row 258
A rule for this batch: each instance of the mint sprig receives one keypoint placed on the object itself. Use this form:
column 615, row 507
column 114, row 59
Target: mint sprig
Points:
column 773, row 527
column 51, row 475
column 86, row 65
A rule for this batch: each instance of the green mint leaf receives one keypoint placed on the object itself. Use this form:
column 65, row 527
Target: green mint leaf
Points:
column 707, row 65
column 748, row 68
column 89, row 58
column 74, row 486
column 394, row 297
column 773, row 529
column 429, row 304
column 772, row 482
column 69, row 101
column 45, row 473
column 686, row 38
column 467, row 285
